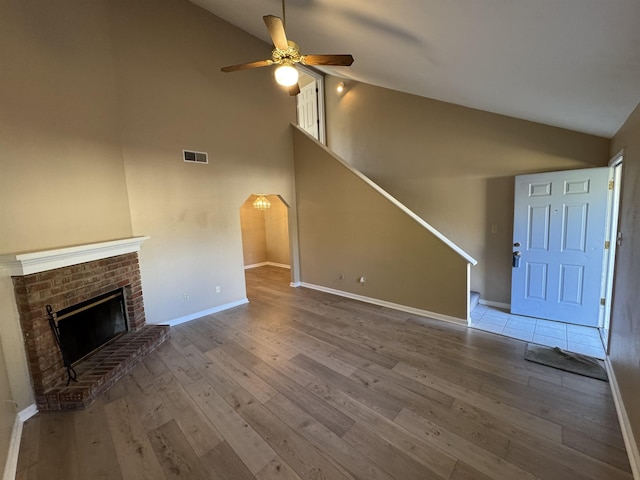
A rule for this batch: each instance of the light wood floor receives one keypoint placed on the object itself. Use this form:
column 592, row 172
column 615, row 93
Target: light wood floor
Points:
column 304, row 385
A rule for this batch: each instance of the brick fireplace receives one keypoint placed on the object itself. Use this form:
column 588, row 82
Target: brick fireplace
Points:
column 66, row 277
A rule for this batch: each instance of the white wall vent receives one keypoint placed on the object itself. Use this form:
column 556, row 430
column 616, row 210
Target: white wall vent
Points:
column 195, row 157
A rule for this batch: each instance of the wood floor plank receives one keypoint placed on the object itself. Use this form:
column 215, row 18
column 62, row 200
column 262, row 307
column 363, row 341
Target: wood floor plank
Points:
column 596, row 448
column 247, row 444
column 220, row 381
column 97, row 456
column 302, row 457
column 325, row 440
column 373, row 400
column 243, row 376
column 441, row 416
column 135, row 454
column 30, row 443
column 57, row 432
column 435, row 459
column 395, row 378
column 387, row 457
column 356, row 349
column 251, row 355
column 462, row 471
column 28, row 473
column 523, row 419
column 144, row 397
column 176, row 456
column 184, row 371
column 279, row 361
column 480, row 459
column 223, row 462
column 548, row 463
column 196, row 427
column 329, row 416
column 278, row 469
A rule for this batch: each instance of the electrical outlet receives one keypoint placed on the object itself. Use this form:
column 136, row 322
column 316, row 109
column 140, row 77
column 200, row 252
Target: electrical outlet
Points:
column 362, row 280
column 341, row 277
column 186, row 297
column 217, row 288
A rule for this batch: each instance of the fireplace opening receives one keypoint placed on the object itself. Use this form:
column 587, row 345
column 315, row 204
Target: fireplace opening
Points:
column 90, row 325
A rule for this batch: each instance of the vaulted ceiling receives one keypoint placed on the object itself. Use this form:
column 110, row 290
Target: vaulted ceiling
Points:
column 569, row 63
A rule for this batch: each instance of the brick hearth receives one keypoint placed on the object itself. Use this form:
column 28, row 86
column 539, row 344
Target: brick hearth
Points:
column 68, row 286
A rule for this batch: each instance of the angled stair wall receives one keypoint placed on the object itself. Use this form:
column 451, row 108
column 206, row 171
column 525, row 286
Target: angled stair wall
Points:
column 349, row 228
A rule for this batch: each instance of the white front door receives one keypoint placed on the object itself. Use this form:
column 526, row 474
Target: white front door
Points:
column 307, row 101
column 558, row 245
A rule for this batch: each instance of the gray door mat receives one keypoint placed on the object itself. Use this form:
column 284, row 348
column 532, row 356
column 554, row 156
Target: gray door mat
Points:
column 568, row 361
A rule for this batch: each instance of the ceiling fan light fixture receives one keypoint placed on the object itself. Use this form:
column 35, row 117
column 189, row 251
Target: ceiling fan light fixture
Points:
column 286, row 75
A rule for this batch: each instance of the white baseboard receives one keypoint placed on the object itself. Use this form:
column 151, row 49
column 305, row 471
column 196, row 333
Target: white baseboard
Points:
column 384, row 303
column 490, row 303
column 193, row 316
column 28, row 412
column 279, row 265
column 264, row 264
column 255, row 265
column 11, row 466
column 625, row 424
column 295, row 284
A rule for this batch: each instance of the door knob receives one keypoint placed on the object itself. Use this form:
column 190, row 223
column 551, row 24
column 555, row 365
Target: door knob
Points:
column 516, row 259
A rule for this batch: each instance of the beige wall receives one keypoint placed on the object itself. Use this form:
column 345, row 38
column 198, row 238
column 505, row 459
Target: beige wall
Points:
column 452, row 165
column 348, row 229
column 277, row 231
column 97, row 101
column 61, row 169
column 625, row 317
column 254, row 237
column 173, row 97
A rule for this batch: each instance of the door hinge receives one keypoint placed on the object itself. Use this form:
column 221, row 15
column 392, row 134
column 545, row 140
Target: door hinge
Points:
column 603, row 301
column 607, row 245
column 611, row 184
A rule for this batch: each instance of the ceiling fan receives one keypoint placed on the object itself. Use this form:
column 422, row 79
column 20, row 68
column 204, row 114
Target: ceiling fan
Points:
column 286, row 54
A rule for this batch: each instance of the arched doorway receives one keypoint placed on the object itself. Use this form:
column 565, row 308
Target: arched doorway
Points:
column 264, row 220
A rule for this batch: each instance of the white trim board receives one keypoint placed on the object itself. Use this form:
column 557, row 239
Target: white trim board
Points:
column 384, row 303
column 11, row 465
column 204, row 313
column 20, row 264
column 265, row 264
column 625, row 424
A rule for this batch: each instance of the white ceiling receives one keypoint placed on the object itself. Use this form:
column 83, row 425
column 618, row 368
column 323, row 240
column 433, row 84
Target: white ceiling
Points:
column 568, row 63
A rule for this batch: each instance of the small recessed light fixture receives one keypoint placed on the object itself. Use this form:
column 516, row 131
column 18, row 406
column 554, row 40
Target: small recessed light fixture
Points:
column 340, row 87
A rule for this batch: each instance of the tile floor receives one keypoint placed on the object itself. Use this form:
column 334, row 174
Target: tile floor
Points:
column 574, row 338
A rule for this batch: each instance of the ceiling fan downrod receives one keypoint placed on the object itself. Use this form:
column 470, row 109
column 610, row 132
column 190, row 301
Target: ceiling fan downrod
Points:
column 284, row 16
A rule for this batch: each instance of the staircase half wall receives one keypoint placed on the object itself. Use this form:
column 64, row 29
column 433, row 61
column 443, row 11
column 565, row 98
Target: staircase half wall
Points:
column 350, row 228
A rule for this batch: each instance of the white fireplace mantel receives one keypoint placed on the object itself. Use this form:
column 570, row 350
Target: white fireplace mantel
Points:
column 18, row 264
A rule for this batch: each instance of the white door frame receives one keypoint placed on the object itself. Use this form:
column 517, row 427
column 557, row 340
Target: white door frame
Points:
column 319, row 78
column 613, row 207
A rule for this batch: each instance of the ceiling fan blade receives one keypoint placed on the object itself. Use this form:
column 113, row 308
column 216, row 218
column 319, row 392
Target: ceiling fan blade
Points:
column 294, row 90
column 276, row 30
column 336, row 60
column 245, row 66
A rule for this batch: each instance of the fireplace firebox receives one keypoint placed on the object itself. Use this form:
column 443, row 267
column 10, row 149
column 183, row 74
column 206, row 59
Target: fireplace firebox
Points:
column 86, row 327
